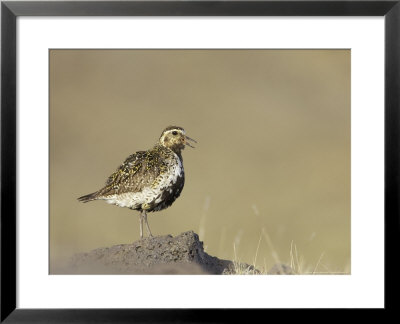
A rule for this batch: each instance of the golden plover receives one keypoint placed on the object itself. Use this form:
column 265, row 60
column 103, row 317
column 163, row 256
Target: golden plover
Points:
column 148, row 180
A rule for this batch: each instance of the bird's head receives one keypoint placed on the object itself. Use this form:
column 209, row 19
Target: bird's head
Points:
column 175, row 138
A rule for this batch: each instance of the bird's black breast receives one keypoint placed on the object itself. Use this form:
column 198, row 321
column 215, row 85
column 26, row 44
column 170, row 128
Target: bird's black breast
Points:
column 169, row 194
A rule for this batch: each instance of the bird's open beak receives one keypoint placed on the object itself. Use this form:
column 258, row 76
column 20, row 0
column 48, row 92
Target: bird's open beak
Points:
column 187, row 138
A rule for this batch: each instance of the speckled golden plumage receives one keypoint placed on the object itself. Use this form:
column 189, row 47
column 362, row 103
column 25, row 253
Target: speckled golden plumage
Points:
column 148, row 180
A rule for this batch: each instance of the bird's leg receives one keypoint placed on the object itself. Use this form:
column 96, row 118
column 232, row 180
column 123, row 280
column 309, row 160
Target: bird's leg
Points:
column 141, row 225
column 147, row 224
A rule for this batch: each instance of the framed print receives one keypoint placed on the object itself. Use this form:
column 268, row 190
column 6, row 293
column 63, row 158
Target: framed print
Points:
column 227, row 146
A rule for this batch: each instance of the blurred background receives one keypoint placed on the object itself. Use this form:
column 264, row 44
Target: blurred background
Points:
column 269, row 180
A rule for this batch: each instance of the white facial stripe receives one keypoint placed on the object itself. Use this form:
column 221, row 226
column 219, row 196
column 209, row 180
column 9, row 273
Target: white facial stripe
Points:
column 176, row 130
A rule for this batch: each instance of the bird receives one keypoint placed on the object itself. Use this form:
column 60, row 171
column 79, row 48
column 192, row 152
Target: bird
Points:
column 148, row 181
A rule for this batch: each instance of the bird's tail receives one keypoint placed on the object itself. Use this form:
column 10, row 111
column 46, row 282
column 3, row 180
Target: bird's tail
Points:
column 89, row 197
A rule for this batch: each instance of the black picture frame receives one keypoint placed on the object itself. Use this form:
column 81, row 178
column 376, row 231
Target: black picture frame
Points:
column 11, row 10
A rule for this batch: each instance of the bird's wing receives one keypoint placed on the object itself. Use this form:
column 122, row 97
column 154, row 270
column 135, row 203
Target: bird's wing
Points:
column 139, row 170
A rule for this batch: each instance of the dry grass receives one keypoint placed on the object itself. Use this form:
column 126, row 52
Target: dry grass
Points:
column 296, row 264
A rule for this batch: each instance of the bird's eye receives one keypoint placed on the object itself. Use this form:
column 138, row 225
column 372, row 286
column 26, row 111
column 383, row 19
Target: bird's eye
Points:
column 174, row 133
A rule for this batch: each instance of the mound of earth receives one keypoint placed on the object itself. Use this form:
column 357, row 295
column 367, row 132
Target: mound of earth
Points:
column 182, row 254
